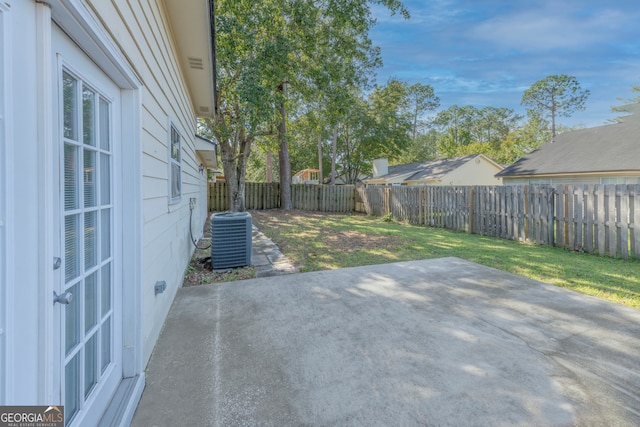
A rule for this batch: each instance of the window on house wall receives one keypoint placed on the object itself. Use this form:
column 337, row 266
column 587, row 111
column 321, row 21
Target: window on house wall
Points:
column 540, row 181
column 175, row 177
column 621, row 180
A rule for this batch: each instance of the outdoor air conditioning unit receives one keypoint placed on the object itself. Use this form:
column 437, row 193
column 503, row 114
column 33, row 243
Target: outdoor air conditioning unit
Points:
column 230, row 240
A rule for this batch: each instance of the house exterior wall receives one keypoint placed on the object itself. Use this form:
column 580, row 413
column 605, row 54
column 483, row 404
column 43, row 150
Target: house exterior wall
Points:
column 573, row 179
column 478, row 171
column 21, row 204
column 141, row 30
column 160, row 242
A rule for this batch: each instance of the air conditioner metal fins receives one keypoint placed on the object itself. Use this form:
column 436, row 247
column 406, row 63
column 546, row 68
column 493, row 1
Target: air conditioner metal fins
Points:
column 230, row 240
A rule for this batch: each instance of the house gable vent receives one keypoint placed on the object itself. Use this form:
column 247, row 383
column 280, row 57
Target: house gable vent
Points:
column 195, row 63
column 230, row 240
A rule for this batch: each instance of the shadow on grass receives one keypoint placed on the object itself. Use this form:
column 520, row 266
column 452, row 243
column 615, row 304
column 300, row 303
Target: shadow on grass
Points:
column 329, row 241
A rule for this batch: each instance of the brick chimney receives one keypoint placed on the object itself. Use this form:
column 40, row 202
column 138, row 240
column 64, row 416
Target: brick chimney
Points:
column 380, row 167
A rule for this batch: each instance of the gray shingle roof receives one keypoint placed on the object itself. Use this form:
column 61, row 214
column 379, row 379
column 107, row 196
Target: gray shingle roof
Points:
column 430, row 170
column 606, row 148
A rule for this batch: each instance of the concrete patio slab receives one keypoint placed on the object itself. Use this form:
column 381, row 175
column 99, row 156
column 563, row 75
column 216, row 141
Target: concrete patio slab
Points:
column 441, row 342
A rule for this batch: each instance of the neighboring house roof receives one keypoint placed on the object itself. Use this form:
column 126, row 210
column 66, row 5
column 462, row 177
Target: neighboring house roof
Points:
column 604, row 149
column 432, row 170
column 341, row 179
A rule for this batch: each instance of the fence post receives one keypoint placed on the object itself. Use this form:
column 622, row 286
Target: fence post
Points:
column 551, row 216
column 635, row 219
column 472, row 209
column 624, row 220
column 387, row 201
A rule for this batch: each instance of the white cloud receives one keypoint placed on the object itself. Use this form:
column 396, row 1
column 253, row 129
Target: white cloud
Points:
column 545, row 29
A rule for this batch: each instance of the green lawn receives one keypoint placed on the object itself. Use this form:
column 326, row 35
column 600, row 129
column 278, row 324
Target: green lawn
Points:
column 317, row 241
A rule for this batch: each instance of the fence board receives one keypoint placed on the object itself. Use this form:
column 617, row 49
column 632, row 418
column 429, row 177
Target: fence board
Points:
column 635, row 225
column 623, row 222
column 590, row 218
column 601, row 236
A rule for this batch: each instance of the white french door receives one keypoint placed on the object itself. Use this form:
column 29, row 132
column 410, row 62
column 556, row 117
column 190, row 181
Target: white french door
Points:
column 88, row 338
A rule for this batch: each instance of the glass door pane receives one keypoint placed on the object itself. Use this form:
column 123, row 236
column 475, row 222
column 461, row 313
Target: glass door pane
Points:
column 88, row 228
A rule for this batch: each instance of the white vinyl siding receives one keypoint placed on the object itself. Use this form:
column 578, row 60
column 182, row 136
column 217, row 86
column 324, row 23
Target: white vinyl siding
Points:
column 540, row 181
column 140, row 28
column 574, row 180
column 476, row 171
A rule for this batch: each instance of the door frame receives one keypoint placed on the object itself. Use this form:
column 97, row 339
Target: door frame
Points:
column 5, row 185
column 70, row 59
column 84, row 28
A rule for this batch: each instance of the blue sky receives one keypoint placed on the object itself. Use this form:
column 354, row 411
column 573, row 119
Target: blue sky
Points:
column 488, row 52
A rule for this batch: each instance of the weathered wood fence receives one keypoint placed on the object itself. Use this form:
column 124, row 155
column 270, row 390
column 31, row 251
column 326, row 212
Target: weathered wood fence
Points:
column 603, row 219
column 323, row 198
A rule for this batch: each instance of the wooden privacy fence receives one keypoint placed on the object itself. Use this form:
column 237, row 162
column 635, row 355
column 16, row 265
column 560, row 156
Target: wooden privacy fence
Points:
column 591, row 218
column 599, row 218
column 259, row 195
column 323, row 198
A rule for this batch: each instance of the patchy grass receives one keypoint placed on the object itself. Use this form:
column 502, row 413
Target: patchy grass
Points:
column 318, row 241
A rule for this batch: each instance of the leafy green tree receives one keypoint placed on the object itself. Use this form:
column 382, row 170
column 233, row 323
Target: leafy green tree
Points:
column 244, row 102
column 492, row 124
column 356, row 144
column 424, row 147
column 422, row 98
column 470, row 130
column 627, row 102
column 332, row 36
column 267, row 52
column 391, row 124
column 365, row 128
column 456, row 129
column 555, row 96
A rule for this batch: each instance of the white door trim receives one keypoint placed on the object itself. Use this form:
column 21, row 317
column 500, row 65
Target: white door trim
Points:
column 5, row 185
column 46, row 191
column 86, row 30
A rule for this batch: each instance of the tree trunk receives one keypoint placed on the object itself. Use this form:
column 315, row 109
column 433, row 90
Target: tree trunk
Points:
column 333, row 155
column 234, row 167
column 285, row 164
column 415, row 125
column 269, row 166
column 553, row 125
column 320, row 177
